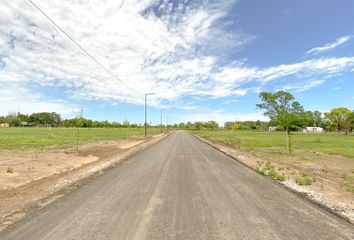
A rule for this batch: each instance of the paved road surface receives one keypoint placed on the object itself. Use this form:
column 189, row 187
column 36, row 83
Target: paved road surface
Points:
column 180, row 188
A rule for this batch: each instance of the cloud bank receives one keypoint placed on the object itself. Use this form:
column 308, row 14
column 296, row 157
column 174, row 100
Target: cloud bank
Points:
column 174, row 49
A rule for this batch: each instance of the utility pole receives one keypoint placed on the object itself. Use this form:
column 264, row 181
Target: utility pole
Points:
column 161, row 122
column 145, row 117
column 145, row 125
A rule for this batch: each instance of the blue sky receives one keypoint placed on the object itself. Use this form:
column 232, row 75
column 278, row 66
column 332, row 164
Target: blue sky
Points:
column 205, row 60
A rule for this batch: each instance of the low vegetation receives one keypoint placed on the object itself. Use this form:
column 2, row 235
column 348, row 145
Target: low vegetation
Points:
column 349, row 189
column 267, row 169
column 346, row 176
column 305, row 179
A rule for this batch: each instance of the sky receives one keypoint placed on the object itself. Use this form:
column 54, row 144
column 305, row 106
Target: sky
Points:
column 204, row 60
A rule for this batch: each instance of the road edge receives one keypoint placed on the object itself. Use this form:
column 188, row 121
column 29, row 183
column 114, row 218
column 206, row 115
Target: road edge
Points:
column 303, row 195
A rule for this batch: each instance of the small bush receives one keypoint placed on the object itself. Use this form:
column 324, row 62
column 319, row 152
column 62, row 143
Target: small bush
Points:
column 281, row 177
column 10, row 170
column 305, row 179
column 269, row 170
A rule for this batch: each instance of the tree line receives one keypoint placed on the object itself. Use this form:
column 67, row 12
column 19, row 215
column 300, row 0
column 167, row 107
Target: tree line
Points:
column 281, row 107
column 53, row 119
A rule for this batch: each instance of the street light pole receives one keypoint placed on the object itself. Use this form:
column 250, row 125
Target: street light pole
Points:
column 145, row 125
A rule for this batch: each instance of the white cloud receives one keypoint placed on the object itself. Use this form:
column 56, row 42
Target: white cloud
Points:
column 153, row 46
column 303, row 87
column 229, row 101
column 238, row 75
column 146, row 48
column 329, row 46
column 15, row 98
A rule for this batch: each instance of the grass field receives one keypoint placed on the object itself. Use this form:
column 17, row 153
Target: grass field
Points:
column 330, row 143
column 29, row 138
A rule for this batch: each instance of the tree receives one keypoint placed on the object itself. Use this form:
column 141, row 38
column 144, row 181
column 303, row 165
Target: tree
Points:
column 305, row 119
column 317, row 118
column 349, row 123
column 211, row 125
column 340, row 118
column 277, row 105
column 15, row 122
column 352, row 122
column 43, row 118
column 181, row 125
column 22, row 117
column 228, row 125
column 126, row 124
column 282, row 108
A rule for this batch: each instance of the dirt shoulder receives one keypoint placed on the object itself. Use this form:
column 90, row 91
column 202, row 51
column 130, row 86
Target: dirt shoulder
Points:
column 331, row 187
column 33, row 179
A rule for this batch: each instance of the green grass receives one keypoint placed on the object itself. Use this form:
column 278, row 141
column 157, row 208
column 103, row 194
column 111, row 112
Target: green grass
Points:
column 349, row 189
column 346, row 176
column 30, row 138
column 305, row 179
column 330, row 143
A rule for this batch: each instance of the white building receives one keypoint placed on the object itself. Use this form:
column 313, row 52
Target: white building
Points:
column 272, row 129
column 313, row 130
column 4, row 125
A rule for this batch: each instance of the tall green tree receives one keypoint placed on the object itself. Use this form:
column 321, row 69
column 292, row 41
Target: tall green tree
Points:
column 52, row 118
column 22, row 117
column 126, row 124
column 317, row 119
column 350, row 123
column 15, row 122
column 282, row 108
column 341, row 118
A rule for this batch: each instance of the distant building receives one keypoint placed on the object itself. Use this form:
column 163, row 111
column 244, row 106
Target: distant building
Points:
column 272, row 129
column 313, row 130
column 4, row 125
column 24, row 124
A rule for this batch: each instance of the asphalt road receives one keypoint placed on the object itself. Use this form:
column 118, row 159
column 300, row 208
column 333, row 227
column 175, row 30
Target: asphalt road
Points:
column 180, row 188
